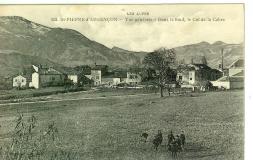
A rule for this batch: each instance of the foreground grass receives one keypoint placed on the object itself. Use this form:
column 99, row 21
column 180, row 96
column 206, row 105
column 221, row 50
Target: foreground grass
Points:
column 110, row 128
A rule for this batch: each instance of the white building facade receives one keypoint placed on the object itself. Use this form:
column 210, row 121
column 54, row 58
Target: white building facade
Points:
column 20, row 81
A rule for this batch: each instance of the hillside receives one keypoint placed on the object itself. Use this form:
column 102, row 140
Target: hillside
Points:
column 212, row 52
column 30, row 42
column 14, row 63
column 69, row 46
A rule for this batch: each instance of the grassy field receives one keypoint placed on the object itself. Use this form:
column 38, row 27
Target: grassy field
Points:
column 110, row 128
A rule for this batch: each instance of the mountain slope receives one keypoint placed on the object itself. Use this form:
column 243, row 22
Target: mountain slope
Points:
column 14, row 63
column 212, row 52
column 31, row 42
column 69, row 46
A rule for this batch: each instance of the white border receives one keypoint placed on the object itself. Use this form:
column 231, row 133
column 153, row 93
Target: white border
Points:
column 248, row 46
column 115, row 1
column 248, row 81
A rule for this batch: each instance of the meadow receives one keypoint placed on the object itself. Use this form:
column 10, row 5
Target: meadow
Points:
column 110, row 128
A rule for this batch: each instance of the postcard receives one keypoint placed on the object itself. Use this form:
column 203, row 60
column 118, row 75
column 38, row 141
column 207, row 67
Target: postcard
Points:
column 122, row 82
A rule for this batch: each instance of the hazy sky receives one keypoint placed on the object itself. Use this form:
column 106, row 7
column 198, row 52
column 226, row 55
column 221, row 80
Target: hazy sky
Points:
column 141, row 36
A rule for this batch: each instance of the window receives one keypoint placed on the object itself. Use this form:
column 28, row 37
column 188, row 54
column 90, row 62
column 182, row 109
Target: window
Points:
column 22, row 80
column 16, row 80
column 97, row 77
column 180, row 77
column 190, row 78
column 53, row 78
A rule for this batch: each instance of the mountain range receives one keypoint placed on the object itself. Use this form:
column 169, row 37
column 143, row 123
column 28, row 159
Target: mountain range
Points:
column 23, row 43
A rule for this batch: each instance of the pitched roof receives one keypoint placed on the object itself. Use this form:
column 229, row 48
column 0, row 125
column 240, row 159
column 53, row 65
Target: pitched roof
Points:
column 70, row 71
column 202, row 66
column 237, row 64
column 193, row 67
column 109, row 75
column 48, row 71
column 236, row 79
column 99, row 67
column 240, row 74
column 116, row 74
column 231, row 79
column 28, row 77
column 223, row 79
column 121, row 74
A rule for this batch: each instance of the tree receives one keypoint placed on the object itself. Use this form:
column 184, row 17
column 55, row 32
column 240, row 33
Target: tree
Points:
column 148, row 74
column 160, row 60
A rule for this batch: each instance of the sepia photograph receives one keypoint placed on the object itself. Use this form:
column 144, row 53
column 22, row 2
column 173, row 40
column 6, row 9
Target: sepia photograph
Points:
column 122, row 81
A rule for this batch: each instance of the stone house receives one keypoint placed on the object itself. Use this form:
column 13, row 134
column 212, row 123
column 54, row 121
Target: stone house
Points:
column 46, row 76
column 196, row 74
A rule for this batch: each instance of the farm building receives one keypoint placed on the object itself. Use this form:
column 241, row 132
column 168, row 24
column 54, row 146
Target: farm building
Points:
column 236, row 67
column 130, row 76
column 46, row 76
column 230, row 82
column 235, row 77
column 110, row 79
column 22, row 81
column 133, row 76
column 97, row 72
column 78, row 75
column 196, row 74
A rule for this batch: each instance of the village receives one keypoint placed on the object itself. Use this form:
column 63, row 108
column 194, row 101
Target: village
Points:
column 138, row 81
column 119, row 97
column 194, row 76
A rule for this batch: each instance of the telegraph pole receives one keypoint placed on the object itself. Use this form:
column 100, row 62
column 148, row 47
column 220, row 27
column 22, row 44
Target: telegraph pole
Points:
column 222, row 60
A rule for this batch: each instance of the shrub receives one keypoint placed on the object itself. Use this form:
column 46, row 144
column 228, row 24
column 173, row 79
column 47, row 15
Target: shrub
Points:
column 26, row 144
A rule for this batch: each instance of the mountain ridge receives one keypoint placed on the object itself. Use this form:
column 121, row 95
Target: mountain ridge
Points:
column 70, row 48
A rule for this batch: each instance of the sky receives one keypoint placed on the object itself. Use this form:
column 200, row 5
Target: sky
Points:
column 226, row 23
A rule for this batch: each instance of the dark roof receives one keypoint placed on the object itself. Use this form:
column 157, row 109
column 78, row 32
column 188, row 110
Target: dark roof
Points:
column 49, row 71
column 202, row 66
column 116, row 74
column 121, row 74
column 71, row 71
column 85, row 70
column 109, row 75
column 190, row 67
column 134, row 70
column 99, row 67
